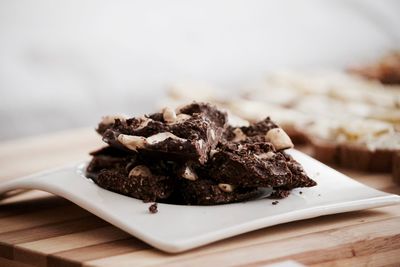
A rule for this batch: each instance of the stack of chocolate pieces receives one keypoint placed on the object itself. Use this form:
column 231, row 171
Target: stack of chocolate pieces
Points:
column 192, row 156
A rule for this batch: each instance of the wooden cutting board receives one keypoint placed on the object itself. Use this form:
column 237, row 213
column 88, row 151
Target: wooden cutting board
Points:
column 38, row 229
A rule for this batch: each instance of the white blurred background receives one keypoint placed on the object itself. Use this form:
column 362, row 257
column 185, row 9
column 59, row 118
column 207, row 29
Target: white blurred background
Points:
column 64, row 64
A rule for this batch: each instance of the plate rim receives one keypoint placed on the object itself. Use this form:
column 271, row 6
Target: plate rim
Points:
column 180, row 244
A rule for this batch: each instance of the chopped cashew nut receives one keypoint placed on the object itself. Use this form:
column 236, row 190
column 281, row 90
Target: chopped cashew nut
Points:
column 169, row 115
column 279, row 138
column 157, row 138
column 140, row 170
column 267, row 155
column 131, row 141
column 226, row 187
column 189, row 174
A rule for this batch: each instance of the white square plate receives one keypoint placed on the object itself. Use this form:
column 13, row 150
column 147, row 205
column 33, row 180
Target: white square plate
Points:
column 179, row 228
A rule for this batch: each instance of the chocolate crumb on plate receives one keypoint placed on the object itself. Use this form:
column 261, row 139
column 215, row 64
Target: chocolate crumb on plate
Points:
column 153, row 208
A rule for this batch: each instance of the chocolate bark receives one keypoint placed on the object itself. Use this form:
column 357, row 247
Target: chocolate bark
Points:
column 191, row 157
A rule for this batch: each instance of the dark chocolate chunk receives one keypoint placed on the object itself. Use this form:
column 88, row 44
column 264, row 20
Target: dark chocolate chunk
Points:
column 249, row 165
column 256, row 164
column 255, row 132
column 300, row 178
column 108, row 158
column 215, row 115
column 259, row 128
column 190, row 134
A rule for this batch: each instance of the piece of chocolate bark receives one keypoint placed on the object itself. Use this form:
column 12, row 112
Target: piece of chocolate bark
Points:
column 189, row 133
column 197, row 187
column 209, row 192
column 128, row 174
column 249, row 165
column 262, row 131
column 256, row 164
column 253, row 156
column 108, row 158
column 161, row 181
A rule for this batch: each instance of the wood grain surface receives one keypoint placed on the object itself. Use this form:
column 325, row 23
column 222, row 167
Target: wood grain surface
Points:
column 39, row 229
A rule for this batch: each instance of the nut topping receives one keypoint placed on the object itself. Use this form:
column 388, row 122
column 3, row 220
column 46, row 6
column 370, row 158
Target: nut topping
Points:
column 189, row 174
column 140, row 170
column 144, row 121
column 157, row 138
column 132, row 142
column 182, row 117
column 267, row 155
column 279, row 138
column 169, row 115
column 226, row 187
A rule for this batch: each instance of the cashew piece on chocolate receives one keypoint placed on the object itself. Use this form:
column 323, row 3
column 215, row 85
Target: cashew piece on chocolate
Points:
column 279, row 139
